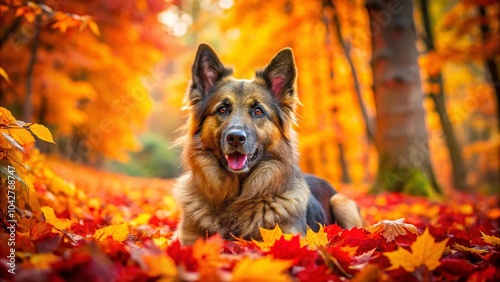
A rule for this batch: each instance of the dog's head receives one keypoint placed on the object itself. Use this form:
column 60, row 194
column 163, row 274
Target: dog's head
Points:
column 243, row 121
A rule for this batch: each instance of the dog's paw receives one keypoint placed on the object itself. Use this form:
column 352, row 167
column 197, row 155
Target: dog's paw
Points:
column 346, row 212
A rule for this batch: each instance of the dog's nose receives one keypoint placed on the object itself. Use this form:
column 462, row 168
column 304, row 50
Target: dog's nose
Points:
column 236, row 137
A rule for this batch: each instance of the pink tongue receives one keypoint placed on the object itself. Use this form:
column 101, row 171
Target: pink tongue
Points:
column 236, row 161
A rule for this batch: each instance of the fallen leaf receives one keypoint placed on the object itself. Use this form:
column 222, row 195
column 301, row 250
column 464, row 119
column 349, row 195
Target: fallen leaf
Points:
column 207, row 252
column 370, row 273
column 271, row 236
column 390, row 229
column 58, row 223
column 492, row 240
column 313, row 240
column 461, row 248
column 43, row 261
column 160, row 265
column 261, row 269
column 119, row 232
column 424, row 251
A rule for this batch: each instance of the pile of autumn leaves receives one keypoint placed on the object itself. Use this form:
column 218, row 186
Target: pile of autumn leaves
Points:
column 125, row 234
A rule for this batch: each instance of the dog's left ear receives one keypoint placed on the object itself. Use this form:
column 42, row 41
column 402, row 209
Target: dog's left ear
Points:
column 280, row 76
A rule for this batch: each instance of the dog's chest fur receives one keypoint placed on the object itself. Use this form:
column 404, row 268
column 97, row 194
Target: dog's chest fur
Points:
column 242, row 215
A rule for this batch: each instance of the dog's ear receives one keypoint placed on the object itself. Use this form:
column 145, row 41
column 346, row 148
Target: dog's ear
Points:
column 280, row 75
column 206, row 71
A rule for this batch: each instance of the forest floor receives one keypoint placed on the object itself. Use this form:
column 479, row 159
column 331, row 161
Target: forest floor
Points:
column 99, row 226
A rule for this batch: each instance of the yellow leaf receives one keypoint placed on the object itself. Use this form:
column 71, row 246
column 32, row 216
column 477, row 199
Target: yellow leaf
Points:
column 160, row 265
column 43, row 261
column 391, row 229
column 269, row 237
column 118, row 232
column 492, row 240
column 41, row 132
column 22, row 136
column 10, row 142
column 313, row 240
column 261, row 269
column 4, row 74
column 425, row 251
column 141, row 219
column 160, row 241
column 58, row 223
column 6, row 117
column 459, row 247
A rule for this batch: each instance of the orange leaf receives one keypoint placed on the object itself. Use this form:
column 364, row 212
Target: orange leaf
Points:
column 160, row 265
column 425, row 251
column 93, row 27
column 391, row 229
column 370, row 272
column 207, row 252
column 58, row 223
column 3, row 8
column 4, row 74
column 118, row 232
column 62, row 23
column 261, row 269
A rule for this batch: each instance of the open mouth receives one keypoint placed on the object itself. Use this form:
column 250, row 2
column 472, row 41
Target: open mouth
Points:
column 237, row 161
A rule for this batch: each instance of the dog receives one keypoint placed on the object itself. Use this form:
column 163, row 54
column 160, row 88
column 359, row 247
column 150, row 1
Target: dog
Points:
column 241, row 158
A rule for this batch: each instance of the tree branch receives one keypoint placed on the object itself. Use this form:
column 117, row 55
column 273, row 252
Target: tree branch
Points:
column 9, row 30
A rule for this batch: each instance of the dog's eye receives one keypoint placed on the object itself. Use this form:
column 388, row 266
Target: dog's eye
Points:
column 258, row 111
column 222, row 110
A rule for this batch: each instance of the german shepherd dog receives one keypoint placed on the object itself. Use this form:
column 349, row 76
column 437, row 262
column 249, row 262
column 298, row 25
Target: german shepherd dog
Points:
column 240, row 154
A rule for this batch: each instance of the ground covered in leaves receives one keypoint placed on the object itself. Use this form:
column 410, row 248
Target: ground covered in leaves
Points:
column 84, row 225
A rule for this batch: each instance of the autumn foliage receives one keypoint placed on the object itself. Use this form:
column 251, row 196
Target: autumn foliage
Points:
column 103, row 71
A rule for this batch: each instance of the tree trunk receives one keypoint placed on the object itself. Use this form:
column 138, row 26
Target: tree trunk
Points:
column 345, row 177
column 491, row 64
column 401, row 137
column 459, row 172
column 28, row 101
column 370, row 131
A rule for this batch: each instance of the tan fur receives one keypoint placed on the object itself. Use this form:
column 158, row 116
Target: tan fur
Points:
column 346, row 212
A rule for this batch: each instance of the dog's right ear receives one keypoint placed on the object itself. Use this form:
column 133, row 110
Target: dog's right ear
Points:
column 207, row 70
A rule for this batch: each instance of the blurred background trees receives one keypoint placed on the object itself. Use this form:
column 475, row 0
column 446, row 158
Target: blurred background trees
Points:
column 113, row 90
